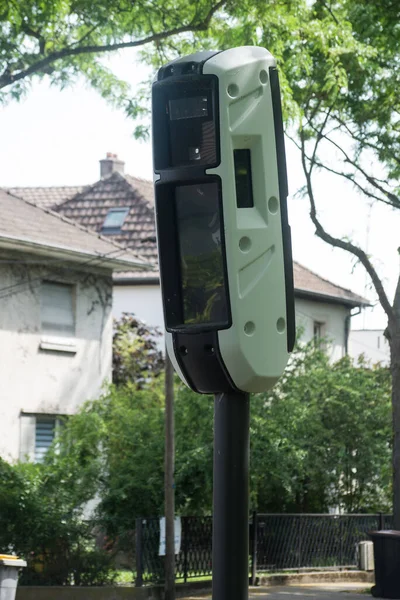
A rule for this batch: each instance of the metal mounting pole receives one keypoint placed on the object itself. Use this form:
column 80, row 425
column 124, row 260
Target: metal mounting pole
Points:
column 230, row 564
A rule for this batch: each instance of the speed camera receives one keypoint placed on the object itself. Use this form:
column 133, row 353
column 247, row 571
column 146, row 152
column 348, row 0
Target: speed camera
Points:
column 221, row 213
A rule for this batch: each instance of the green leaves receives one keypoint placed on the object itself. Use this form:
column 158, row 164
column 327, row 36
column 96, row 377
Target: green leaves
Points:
column 53, row 37
column 319, row 440
column 136, row 356
column 323, row 437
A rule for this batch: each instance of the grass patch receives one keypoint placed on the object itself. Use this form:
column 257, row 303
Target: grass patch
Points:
column 124, row 577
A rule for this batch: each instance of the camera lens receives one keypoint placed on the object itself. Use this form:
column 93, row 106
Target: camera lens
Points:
column 194, row 153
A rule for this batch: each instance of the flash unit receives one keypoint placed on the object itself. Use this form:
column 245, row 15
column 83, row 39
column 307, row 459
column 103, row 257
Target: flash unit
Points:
column 222, row 227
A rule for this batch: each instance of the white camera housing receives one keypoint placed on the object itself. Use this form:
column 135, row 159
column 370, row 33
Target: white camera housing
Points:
column 221, row 210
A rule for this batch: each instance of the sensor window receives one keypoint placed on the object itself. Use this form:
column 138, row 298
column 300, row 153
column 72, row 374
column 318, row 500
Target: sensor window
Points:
column 204, row 293
column 188, row 108
column 244, row 186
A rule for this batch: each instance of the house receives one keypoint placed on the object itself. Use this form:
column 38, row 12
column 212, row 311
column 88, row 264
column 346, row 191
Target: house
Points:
column 371, row 343
column 55, row 321
column 121, row 207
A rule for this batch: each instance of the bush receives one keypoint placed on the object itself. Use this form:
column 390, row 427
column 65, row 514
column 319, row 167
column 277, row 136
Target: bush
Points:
column 48, row 529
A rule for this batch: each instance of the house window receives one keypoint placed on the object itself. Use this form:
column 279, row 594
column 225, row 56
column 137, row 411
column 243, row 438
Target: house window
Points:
column 45, row 432
column 114, row 220
column 37, row 433
column 57, row 309
column 318, row 331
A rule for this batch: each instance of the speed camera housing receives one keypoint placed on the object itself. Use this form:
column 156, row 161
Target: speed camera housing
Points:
column 222, row 226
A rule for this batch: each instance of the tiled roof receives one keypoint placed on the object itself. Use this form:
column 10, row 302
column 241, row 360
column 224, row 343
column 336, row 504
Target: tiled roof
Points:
column 46, row 197
column 24, row 225
column 309, row 283
column 90, row 206
column 306, row 283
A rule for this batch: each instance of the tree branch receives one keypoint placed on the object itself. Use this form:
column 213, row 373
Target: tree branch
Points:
column 396, row 302
column 86, row 35
column 328, row 8
column 318, row 139
column 9, row 78
column 364, row 143
column 38, row 36
column 350, row 177
column 393, row 199
column 343, row 244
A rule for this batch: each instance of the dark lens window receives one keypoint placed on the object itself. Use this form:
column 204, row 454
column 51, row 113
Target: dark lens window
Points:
column 244, row 186
column 201, row 254
column 188, row 108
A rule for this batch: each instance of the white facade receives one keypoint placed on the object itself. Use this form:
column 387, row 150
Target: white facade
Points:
column 328, row 318
column 370, row 342
column 46, row 375
column 324, row 320
column 144, row 301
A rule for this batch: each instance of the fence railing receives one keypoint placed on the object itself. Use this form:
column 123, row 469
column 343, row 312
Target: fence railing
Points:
column 277, row 542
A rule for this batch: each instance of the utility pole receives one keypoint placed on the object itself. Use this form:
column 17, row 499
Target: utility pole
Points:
column 169, row 481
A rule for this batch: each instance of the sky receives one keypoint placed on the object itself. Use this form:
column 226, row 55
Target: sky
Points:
column 55, row 137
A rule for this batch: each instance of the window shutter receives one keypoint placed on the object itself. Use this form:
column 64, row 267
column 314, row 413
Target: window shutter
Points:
column 44, row 436
column 27, row 438
column 57, row 311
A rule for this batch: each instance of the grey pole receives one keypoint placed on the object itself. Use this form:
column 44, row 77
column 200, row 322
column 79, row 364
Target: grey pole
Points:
column 230, row 564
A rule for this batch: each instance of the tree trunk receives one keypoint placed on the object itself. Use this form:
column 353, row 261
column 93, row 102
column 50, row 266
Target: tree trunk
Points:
column 169, row 482
column 394, row 339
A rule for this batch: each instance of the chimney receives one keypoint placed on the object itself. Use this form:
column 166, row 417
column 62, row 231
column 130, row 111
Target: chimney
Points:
column 111, row 164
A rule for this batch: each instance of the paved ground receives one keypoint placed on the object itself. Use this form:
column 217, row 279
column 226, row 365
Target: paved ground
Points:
column 327, row 591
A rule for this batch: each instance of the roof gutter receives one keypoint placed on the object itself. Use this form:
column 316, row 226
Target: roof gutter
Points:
column 103, row 261
column 309, row 295
column 353, row 303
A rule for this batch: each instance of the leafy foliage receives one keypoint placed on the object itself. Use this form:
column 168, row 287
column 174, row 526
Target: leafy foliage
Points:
column 321, row 438
column 42, row 519
column 63, row 40
column 136, row 354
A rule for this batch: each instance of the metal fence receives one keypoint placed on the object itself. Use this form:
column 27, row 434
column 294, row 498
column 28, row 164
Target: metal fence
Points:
column 277, row 542
column 307, row 541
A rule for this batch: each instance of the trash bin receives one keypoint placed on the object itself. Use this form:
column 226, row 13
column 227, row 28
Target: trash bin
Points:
column 387, row 563
column 9, row 567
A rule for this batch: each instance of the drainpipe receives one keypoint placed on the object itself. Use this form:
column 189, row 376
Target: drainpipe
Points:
column 347, row 329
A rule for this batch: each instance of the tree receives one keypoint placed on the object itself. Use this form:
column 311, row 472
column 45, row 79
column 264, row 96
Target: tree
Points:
column 42, row 513
column 136, row 355
column 339, row 69
column 320, row 438
column 358, row 119
column 64, row 39
column 339, row 73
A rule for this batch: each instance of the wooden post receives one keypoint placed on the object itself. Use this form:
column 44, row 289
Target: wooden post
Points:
column 169, row 482
column 139, row 552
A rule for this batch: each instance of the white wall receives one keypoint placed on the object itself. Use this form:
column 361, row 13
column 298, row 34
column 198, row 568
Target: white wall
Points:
column 370, row 342
column 333, row 318
column 142, row 300
column 34, row 380
column 145, row 302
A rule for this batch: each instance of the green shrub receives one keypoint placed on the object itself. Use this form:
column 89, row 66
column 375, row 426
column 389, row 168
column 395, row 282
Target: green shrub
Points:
column 41, row 519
